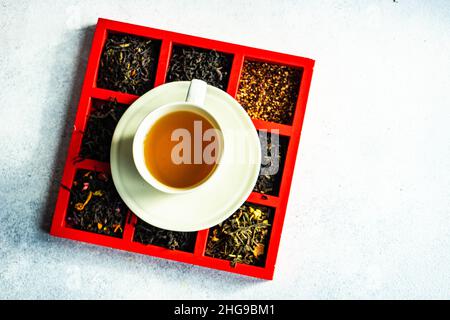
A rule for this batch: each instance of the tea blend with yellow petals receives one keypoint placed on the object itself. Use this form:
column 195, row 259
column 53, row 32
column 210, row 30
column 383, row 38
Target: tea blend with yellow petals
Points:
column 242, row 238
column 95, row 205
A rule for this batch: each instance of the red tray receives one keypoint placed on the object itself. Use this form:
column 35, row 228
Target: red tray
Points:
column 90, row 91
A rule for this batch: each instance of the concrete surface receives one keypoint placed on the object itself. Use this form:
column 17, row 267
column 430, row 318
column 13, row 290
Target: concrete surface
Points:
column 369, row 215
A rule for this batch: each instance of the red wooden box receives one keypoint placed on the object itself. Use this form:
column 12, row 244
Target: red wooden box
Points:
column 90, row 91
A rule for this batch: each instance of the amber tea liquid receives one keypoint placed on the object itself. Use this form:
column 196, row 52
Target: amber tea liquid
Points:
column 163, row 149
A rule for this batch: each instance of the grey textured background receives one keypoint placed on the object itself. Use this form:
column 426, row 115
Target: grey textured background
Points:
column 369, row 215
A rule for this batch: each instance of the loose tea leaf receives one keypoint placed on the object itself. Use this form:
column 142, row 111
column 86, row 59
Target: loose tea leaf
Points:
column 273, row 155
column 243, row 237
column 95, row 205
column 128, row 64
column 99, row 130
column 189, row 63
column 148, row 234
column 268, row 91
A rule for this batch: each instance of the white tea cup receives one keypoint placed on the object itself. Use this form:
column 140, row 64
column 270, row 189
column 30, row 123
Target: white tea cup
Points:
column 193, row 103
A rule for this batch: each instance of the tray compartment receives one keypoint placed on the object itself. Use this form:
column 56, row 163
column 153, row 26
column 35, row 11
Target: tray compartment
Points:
column 244, row 237
column 120, row 70
column 188, row 62
column 269, row 91
column 97, row 135
column 94, row 204
column 273, row 158
column 146, row 234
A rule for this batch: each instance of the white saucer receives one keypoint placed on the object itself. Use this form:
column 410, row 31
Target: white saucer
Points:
column 203, row 207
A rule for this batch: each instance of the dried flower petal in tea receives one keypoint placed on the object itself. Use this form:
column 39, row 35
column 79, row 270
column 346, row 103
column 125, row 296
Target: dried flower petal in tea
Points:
column 268, row 91
column 95, row 205
column 242, row 238
column 189, row 63
column 128, row 64
column 148, row 234
column 99, row 130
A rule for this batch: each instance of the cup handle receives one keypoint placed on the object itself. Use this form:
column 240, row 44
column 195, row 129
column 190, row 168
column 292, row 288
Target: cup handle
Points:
column 197, row 92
